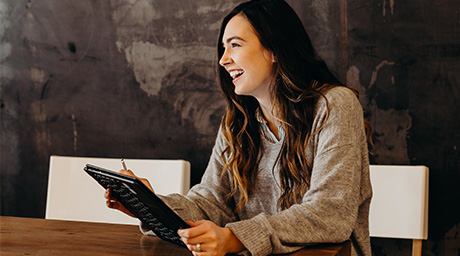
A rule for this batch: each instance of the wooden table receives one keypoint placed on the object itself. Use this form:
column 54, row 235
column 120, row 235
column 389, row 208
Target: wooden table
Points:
column 29, row 236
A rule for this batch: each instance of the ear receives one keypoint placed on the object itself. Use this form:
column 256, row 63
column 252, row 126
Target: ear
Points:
column 274, row 60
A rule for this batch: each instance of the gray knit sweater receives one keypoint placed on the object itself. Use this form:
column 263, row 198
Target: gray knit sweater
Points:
column 334, row 209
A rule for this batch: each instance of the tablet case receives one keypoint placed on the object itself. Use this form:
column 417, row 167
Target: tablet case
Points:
column 141, row 202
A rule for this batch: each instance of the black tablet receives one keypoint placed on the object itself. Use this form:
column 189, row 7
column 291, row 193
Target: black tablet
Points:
column 141, row 202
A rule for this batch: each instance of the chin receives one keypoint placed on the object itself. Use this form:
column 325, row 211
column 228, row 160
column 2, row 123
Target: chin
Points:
column 239, row 93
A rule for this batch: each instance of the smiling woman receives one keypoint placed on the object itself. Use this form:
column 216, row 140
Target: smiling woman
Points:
column 290, row 164
column 249, row 64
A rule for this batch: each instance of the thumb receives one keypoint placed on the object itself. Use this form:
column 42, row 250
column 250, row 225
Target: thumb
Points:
column 192, row 224
column 196, row 223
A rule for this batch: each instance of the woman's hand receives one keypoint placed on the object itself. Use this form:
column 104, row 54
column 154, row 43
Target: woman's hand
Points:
column 205, row 238
column 114, row 204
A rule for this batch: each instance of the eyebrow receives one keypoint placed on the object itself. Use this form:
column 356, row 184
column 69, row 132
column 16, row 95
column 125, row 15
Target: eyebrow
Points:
column 234, row 37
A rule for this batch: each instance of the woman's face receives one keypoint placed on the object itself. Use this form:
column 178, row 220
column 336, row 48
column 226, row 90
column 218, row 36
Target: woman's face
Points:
column 249, row 64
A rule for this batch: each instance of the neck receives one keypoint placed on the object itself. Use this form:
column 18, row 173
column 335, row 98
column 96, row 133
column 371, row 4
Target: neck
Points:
column 272, row 122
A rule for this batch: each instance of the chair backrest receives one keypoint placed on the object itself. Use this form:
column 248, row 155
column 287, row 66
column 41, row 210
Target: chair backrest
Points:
column 399, row 206
column 74, row 195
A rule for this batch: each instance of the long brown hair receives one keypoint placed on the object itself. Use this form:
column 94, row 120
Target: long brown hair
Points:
column 301, row 78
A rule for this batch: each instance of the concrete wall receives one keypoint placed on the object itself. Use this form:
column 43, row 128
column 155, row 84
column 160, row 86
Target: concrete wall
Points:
column 135, row 79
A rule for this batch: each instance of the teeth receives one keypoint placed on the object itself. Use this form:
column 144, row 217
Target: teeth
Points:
column 234, row 73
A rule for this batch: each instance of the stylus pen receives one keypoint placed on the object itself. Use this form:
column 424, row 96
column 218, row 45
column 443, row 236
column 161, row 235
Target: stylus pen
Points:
column 123, row 163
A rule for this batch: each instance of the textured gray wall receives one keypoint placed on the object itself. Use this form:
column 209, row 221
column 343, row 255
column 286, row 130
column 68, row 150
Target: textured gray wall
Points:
column 404, row 56
column 135, row 79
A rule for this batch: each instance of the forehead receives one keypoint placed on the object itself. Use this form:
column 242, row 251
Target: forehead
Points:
column 239, row 26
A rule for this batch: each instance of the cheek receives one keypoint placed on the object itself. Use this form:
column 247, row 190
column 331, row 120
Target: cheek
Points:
column 263, row 61
column 265, row 69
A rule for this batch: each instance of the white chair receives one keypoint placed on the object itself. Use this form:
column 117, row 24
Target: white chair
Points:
column 74, row 195
column 399, row 206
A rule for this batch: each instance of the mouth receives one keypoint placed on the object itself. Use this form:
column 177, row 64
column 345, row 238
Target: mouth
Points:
column 235, row 74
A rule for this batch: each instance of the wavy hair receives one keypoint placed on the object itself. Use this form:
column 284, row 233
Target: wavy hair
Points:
column 301, row 78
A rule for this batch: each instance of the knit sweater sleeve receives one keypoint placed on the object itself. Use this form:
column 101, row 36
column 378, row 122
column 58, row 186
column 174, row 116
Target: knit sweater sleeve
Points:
column 329, row 210
column 207, row 199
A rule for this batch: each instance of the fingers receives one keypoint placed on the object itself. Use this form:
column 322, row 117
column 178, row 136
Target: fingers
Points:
column 196, row 229
column 192, row 223
column 131, row 173
column 206, row 238
column 128, row 173
column 108, row 195
column 199, row 237
column 194, row 248
column 113, row 203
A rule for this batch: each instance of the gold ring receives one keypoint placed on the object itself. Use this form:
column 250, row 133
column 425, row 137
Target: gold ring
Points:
column 198, row 247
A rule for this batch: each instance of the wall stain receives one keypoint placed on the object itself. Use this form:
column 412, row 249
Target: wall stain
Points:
column 391, row 4
column 389, row 137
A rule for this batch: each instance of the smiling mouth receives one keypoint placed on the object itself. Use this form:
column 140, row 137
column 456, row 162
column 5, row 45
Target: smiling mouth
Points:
column 235, row 74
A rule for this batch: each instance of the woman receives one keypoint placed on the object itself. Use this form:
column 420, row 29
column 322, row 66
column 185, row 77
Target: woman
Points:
column 290, row 164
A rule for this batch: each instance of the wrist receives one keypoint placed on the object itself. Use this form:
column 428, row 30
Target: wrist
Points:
column 233, row 243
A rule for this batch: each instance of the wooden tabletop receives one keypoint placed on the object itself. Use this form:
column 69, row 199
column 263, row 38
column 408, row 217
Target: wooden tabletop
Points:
column 30, row 236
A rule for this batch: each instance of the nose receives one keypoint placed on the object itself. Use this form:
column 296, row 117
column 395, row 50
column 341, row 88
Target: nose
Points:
column 225, row 59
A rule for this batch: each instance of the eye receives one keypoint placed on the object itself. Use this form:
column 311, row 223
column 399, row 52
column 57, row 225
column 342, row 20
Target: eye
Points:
column 235, row 45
